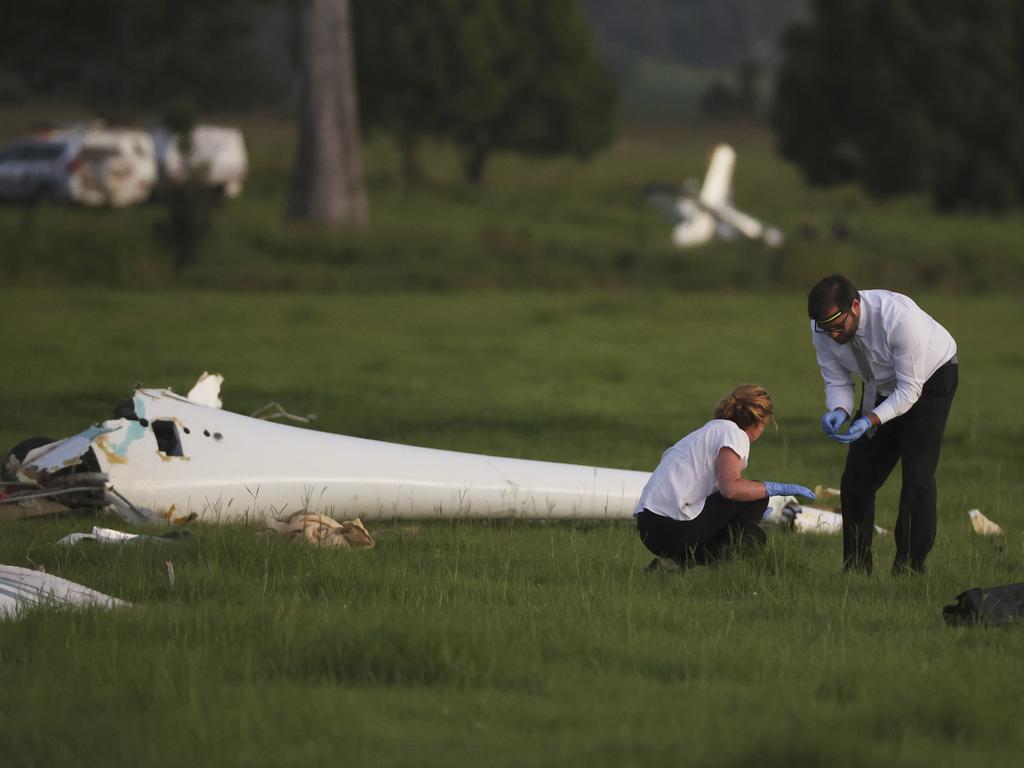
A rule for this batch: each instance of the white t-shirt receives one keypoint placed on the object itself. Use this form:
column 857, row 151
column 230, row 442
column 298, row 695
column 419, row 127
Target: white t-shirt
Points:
column 685, row 476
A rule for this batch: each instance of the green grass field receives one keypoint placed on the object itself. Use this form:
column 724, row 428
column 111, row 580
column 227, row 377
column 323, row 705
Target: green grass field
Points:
column 504, row 642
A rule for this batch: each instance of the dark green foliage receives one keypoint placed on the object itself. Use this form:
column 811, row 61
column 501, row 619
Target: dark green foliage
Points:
column 722, row 100
column 704, row 33
column 119, row 56
column 908, row 96
column 517, row 75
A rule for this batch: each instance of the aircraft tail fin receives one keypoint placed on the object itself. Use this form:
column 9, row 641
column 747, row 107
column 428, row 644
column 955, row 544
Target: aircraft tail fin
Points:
column 718, row 181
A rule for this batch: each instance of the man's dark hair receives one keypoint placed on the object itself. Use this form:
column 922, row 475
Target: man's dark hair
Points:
column 832, row 291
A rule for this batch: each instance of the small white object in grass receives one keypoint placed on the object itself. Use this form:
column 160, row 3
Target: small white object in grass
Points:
column 982, row 525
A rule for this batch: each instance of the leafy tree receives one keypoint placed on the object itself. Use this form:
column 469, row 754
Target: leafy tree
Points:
column 906, row 96
column 514, row 75
column 118, row 56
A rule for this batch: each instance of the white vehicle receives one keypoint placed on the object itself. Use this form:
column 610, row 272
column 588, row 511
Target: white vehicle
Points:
column 115, row 167
column 218, row 157
column 699, row 216
column 88, row 165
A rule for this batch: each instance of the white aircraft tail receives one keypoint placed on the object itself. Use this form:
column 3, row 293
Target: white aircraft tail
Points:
column 718, row 181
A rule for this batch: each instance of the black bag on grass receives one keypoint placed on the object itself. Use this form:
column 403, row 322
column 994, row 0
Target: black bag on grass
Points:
column 991, row 606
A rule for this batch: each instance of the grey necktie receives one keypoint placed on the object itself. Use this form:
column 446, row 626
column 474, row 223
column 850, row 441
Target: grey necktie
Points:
column 870, row 388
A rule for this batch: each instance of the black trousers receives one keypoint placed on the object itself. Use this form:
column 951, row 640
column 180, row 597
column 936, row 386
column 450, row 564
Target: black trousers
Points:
column 716, row 533
column 914, row 439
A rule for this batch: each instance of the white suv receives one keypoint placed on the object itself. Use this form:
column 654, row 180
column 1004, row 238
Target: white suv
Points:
column 34, row 170
column 92, row 166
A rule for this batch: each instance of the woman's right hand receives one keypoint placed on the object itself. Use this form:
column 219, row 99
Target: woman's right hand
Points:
column 788, row 489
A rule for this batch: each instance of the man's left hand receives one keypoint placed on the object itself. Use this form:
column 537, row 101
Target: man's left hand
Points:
column 857, row 430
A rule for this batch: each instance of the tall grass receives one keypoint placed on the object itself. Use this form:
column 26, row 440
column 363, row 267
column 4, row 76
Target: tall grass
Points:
column 503, row 642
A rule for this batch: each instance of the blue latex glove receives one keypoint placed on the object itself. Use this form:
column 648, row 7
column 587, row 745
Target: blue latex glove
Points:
column 788, row 489
column 857, row 430
column 832, row 421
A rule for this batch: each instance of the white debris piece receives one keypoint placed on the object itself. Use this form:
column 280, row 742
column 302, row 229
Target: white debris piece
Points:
column 787, row 512
column 812, row 520
column 22, row 589
column 982, row 525
column 108, row 536
column 206, row 390
column 781, row 510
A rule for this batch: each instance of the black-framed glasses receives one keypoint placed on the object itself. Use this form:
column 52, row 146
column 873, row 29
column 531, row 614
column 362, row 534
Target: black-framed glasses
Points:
column 832, row 324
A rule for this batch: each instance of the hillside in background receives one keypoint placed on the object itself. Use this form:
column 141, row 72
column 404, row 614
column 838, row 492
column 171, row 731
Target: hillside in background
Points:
column 666, row 53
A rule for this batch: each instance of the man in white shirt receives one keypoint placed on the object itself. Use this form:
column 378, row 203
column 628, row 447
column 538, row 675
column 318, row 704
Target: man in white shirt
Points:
column 908, row 365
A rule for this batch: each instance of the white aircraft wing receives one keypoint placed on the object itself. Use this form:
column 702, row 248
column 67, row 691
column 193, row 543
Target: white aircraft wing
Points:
column 746, row 224
column 176, row 458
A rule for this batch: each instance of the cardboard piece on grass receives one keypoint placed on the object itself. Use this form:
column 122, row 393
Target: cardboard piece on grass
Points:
column 987, row 606
column 982, row 525
column 324, row 531
column 22, row 589
column 20, row 509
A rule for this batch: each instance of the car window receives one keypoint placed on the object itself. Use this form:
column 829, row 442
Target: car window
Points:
column 41, row 152
column 97, row 154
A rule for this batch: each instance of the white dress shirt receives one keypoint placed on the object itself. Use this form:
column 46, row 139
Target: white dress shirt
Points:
column 904, row 347
column 685, row 476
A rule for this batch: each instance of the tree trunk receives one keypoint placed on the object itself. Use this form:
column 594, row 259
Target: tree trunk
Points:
column 327, row 180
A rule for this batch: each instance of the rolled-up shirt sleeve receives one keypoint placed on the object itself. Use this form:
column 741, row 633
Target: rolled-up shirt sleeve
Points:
column 839, row 386
column 908, row 339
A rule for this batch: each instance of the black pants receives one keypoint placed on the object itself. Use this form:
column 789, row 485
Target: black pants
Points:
column 915, row 439
column 715, row 534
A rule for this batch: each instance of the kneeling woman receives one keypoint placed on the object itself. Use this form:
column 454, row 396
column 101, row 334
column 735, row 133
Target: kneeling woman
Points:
column 696, row 506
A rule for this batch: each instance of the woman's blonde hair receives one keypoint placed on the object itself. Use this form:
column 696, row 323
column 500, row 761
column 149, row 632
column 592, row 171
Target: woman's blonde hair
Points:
column 747, row 405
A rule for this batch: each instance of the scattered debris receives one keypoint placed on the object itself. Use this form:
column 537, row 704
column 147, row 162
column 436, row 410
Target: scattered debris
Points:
column 324, row 531
column 18, row 505
column 788, row 513
column 110, row 536
column 206, row 390
column 275, row 410
column 22, row 589
column 982, row 525
column 988, row 606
